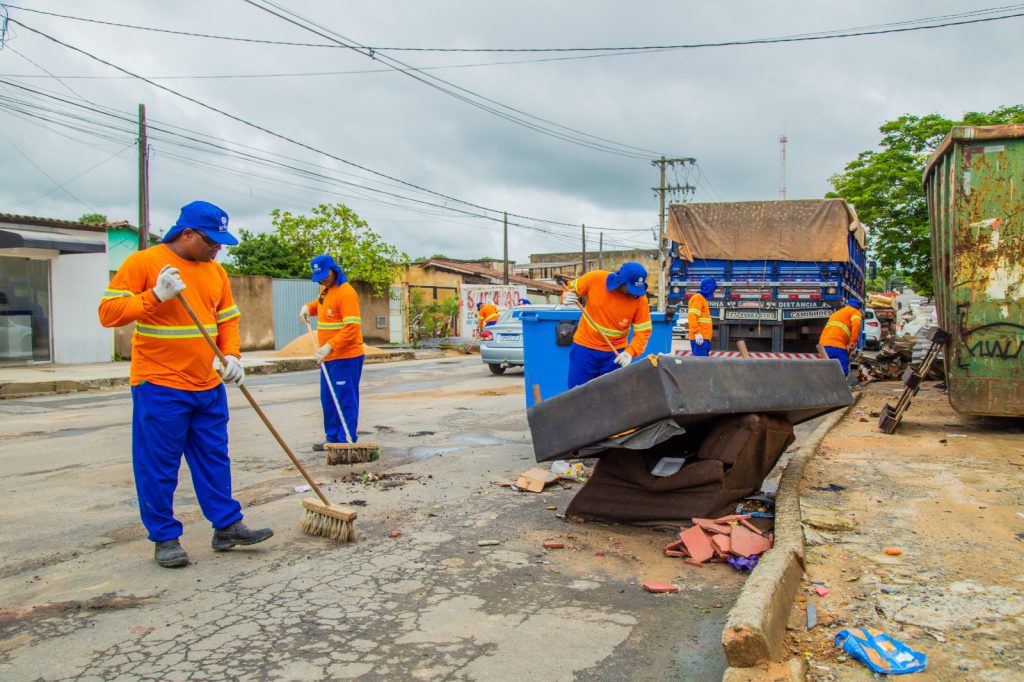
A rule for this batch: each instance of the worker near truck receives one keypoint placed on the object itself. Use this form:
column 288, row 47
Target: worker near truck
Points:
column 615, row 303
column 841, row 333
column 179, row 404
column 486, row 314
column 339, row 332
column 698, row 314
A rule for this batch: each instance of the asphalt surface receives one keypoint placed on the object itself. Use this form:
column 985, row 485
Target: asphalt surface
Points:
column 81, row 598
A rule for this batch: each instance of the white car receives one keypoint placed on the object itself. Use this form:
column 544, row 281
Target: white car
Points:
column 872, row 330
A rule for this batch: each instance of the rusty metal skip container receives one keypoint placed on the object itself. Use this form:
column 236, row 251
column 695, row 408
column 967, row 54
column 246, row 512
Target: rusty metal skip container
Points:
column 974, row 184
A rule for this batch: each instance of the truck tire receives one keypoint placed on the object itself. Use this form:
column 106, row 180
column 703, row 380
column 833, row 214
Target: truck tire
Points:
column 496, row 369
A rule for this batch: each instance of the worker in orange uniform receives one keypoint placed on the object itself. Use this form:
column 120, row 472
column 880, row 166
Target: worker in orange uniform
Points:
column 698, row 314
column 340, row 333
column 179, row 404
column 486, row 314
column 615, row 302
column 841, row 333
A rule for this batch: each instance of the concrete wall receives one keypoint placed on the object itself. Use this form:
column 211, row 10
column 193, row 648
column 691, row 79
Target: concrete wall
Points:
column 417, row 275
column 254, row 298
column 77, row 282
column 372, row 306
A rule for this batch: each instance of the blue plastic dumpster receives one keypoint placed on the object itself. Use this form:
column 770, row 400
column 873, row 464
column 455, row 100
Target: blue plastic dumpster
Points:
column 546, row 364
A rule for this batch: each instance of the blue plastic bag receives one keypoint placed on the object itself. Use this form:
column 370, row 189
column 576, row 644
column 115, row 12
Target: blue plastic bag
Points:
column 880, row 652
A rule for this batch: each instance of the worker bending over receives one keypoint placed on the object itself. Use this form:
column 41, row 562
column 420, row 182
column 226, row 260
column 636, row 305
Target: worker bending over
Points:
column 698, row 314
column 486, row 314
column 340, row 335
column 841, row 333
column 179, row 404
column 615, row 303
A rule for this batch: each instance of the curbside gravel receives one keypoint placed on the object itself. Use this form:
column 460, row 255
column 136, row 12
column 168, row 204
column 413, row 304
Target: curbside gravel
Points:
column 755, row 629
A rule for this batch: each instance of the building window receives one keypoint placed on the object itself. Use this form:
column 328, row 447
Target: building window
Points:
column 24, row 310
column 382, row 322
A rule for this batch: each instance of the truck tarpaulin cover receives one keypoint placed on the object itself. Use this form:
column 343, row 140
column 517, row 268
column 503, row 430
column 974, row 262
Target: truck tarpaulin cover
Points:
column 798, row 230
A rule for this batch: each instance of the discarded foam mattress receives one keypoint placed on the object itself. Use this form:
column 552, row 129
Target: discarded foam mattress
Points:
column 726, row 460
column 688, row 391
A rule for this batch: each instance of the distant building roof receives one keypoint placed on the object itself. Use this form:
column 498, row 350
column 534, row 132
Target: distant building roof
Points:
column 471, row 268
column 37, row 221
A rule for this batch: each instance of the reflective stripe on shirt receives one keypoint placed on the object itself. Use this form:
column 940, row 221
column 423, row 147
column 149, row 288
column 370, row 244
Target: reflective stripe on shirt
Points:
column 164, row 332
column 338, row 325
column 842, row 326
column 228, row 313
column 611, row 333
column 116, row 293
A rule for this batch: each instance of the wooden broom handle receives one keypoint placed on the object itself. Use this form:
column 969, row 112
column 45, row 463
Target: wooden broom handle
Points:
column 255, row 405
column 591, row 321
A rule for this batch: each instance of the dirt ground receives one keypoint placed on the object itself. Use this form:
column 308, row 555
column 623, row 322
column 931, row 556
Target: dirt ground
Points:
column 947, row 492
column 302, row 347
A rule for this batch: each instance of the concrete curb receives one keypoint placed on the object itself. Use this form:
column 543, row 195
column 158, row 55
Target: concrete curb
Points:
column 755, row 629
column 27, row 389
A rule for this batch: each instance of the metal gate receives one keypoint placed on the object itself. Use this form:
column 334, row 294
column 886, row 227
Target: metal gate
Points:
column 289, row 295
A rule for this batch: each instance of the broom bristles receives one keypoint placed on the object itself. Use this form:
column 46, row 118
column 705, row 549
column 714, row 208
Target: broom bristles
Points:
column 351, row 453
column 328, row 521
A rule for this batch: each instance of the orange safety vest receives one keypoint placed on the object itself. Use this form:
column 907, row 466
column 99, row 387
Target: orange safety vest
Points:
column 338, row 321
column 613, row 313
column 699, row 317
column 842, row 329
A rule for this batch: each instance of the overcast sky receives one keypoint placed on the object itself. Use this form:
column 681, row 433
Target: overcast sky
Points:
column 724, row 106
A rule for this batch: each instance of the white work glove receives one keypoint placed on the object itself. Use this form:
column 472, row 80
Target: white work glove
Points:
column 570, row 298
column 322, row 352
column 168, row 283
column 233, row 373
column 699, row 338
column 623, row 358
column 304, row 314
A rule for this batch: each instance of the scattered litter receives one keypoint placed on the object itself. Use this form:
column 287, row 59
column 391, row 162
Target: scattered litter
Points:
column 668, row 466
column 830, row 488
column 743, row 563
column 141, row 629
column 303, row 488
column 564, row 469
column 659, row 587
column 534, row 480
column 822, row 591
column 487, row 543
column 551, row 507
column 732, row 539
column 553, row 544
column 812, row 616
column 880, row 652
column 956, row 435
column 939, row 638
column 599, row 553
column 892, row 551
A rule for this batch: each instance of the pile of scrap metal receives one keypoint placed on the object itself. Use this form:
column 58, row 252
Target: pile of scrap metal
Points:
column 682, row 437
column 893, row 359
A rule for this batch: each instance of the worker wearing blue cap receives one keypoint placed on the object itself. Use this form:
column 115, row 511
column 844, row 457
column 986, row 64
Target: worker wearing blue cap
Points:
column 340, row 335
column 616, row 303
column 698, row 314
column 841, row 333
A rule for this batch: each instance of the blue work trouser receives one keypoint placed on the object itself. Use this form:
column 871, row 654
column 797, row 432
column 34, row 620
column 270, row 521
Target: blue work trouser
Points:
column 586, row 364
column 701, row 349
column 345, row 375
column 167, row 422
column 842, row 355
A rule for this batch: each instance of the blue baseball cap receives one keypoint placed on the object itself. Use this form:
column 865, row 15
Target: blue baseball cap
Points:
column 708, row 286
column 853, row 303
column 204, row 217
column 633, row 275
column 322, row 265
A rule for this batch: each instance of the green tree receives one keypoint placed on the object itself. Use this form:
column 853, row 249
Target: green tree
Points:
column 268, row 255
column 93, row 219
column 884, row 185
column 337, row 230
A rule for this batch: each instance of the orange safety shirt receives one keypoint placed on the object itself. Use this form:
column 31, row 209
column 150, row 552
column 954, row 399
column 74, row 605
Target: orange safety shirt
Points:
column 167, row 349
column 612, row 313
column 338, row 321
column 699, row 317
column 842, row 329
column 488, row 313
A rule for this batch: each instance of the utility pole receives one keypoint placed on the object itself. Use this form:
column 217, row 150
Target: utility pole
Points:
column 662, row 189
column 583, row 270
column 143, row 181
column 782, row 167
column 504, row 223
column 600, row 250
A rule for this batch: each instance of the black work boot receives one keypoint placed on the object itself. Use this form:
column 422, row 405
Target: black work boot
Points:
column 169, row 554
column 238, row 534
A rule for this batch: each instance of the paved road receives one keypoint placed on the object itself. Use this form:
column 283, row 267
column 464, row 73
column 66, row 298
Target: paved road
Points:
column 81, row 598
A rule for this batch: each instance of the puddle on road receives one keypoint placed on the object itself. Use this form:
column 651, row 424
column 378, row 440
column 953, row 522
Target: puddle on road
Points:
column 477, row 439
column 424, row 451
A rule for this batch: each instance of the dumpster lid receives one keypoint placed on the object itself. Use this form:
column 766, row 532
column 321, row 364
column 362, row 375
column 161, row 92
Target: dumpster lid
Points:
column 1007, row 131
column 793, row 230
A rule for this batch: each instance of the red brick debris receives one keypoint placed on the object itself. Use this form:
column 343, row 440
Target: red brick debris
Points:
column 553, row 544
column 715, row 539
column 658, row 587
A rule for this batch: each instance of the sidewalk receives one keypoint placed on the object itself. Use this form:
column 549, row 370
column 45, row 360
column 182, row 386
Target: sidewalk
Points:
column 46, row 379
column 945, row 492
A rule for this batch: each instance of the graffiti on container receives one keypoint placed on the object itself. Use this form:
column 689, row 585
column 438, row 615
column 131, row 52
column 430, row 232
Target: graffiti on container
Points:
column 995, row 341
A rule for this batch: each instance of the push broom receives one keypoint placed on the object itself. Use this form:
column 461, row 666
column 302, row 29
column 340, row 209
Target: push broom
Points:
column 322, row 518
column 347, row 452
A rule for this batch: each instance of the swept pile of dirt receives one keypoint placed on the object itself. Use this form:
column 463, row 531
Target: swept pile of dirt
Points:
column 302, row 347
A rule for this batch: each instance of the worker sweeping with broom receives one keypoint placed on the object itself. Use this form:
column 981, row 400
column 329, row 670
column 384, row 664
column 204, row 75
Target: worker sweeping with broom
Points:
column 340, row 354
column 179, row 403
column 615, row 303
